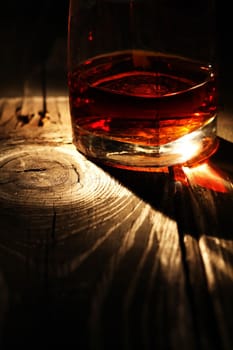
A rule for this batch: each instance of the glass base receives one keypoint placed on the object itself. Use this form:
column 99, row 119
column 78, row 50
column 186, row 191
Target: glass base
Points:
column 188, row 150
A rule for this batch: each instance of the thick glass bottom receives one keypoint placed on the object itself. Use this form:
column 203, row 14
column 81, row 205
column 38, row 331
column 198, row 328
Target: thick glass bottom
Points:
column 188, row 150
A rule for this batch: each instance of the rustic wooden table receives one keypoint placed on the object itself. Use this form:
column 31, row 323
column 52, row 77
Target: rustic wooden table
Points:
column 99, row 258
column 95, row 256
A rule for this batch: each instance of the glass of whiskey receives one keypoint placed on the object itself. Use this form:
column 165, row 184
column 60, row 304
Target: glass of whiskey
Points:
column 142, row 81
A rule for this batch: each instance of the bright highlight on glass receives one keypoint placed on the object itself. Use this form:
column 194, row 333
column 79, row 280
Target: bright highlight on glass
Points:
column 142, row 81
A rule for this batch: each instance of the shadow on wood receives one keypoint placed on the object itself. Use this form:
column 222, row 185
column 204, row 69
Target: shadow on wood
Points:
column 198, row 198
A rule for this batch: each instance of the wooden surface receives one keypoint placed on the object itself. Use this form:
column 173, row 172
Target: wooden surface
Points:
column 99, row 257
column 93, row 257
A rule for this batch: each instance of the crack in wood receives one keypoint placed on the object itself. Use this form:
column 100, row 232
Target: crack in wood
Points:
column 31, row 170
column 54, row 218
column 76, row 172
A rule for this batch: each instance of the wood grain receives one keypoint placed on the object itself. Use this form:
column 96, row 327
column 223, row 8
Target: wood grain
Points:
column 99, row 257
column 208, row 266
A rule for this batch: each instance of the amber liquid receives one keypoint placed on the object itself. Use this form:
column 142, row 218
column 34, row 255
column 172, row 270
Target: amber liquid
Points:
column 142, row 98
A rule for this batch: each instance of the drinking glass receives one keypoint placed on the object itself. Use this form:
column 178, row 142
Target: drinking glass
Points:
column 142, row 78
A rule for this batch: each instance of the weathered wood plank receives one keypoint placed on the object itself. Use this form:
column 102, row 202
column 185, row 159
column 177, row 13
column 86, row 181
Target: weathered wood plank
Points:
column 108, row 251
column 62, row 215
column 30, row 120
column 218, row 261
column 209, row 250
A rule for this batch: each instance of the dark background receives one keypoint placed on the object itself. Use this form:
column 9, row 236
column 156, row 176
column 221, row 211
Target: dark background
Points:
column 32, row 32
